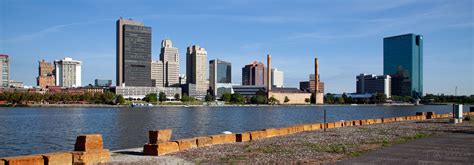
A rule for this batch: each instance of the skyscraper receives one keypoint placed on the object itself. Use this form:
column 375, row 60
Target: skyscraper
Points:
column 369, row 83
column 45, row 74
column 403, row 61
column 277, row 78
column 170, row 57
column 157, row 73
column 133, row 53
column 4, row 70
column 254, row 74
column 196, row 69
column 68, row 72
column 220, row 72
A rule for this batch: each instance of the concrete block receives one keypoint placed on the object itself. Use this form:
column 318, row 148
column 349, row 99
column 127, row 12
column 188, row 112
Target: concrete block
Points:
column 338, row 124
column 347, row 123
column 254, row 135
column 159, row 136
column 298, row 128
column 363, row 122
column 90, row 157
column 63, row 158
column 430, row 115
column 330, row 125
column 377, row 121
column 282, row 131
column 306, row 127
column 2, row 162
column 203, row 141
column 223, row 138
column 185, row 144
column 229, row 138
column 370, row 121
column 316, row 126
column 355, row 122
column 271, row 132
column 24, row 160
column 88, row 142
column 160, row 148
column 242, row 137
column 399, row 119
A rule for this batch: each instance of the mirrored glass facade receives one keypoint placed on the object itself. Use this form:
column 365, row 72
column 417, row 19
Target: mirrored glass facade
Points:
column 403, row 60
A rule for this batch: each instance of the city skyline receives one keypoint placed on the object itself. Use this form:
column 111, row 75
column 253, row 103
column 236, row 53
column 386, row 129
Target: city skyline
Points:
column 292, row 50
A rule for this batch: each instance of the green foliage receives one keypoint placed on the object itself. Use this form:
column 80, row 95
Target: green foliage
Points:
column 176, row 96
column 272, row 100
column 209, row 98
column 187, row 98
column 379, row 98
column 237, row 98
column 18, row 97
column 226, row 97
column 162, row 97
column 151, row 98
column 120, row 99
column 286, row 99
column 259, row 99
column 430, row 98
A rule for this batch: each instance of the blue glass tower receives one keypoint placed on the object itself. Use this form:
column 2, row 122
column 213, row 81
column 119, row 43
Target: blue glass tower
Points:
column 403, row 61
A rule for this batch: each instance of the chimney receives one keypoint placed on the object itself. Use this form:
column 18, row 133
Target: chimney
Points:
column 269, row 72
column 316, row 77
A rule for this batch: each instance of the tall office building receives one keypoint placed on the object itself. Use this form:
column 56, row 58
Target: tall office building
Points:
column 68, row 72
column 4, row 70
column 369, row 83
column 45, row 74
column 254, row 74
column 157, row 73
column 277, row 78
column 170, row 57
column 403, row 61
column 220, row 72
column 196, row 70
column 102, row 83
column 133, row 53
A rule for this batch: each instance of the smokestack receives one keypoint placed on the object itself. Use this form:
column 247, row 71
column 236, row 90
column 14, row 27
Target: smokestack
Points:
column 316, row 77
column 269, row 72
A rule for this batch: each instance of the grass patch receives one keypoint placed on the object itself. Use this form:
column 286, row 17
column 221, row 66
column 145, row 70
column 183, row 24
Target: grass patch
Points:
column 331, row 148
column 233, row 158
column 355, row 153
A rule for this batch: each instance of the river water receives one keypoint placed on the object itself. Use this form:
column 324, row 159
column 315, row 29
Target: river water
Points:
column 40, row 130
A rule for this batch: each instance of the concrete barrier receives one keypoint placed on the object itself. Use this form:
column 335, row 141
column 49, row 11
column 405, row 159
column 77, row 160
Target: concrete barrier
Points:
column 185, row 144
column 271, row 132
column 88, row 149
column 347, row 123
column 203, row 141
column 316, row 126
column 24, row 160
column 242, row 137
column 355, row 122
column 90, row 157
column 160, row 148
column 282, row 131
column 377, row 121
column 158, row 136
column 430, row 115
column 399, row 119
column 223, row 138
column 2, row 162
column 255, row 135
column 363, row 122
column 338, row 124
column 330, row 125
column 63, row 158
column 306, row 127
column 88, row 142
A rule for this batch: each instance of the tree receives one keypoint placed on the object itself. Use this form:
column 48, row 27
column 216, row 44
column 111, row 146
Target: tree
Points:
column 272, row 100
column 306, row 100
column 329, row 99
column 108, row 97
column 286, row 100
column 120, row 99
column 380, row 98
column 209, row 98
column 162, row 97
column 226, row 97
column 258, row 99
column 151, row 98
column 237, row 98
column 176, row 96
column 187, row 98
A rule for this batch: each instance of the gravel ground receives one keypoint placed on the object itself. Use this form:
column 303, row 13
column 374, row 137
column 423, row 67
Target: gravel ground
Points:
column 320, row 147
column 308, row 147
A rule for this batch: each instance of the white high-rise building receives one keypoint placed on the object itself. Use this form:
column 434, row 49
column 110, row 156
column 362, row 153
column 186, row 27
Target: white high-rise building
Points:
column 170, row 58
column 277, row 78
column 369, row 83
column 157, row 73
column 68, row 72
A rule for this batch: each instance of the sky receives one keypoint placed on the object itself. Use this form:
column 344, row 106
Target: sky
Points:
column 346, row 36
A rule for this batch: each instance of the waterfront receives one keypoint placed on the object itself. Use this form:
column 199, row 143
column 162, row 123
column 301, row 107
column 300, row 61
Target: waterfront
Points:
column 39, row 130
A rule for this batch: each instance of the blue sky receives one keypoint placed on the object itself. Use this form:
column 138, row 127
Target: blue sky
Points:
column 346, row 36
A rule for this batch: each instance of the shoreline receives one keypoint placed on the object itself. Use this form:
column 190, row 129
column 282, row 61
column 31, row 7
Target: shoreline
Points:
column 227, row 105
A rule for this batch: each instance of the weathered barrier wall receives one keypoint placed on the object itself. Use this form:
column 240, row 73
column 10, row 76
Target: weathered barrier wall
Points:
column 88, row 148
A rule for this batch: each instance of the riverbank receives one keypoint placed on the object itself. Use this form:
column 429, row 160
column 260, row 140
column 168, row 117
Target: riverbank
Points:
column 305, row 147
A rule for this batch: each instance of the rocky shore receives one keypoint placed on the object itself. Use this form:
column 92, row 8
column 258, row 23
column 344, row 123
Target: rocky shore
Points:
column 305, row 147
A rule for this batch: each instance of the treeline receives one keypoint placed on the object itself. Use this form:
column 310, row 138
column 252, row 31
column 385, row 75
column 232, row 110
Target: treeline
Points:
column 431, row 98
column 60, row 98
column 344, row 99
